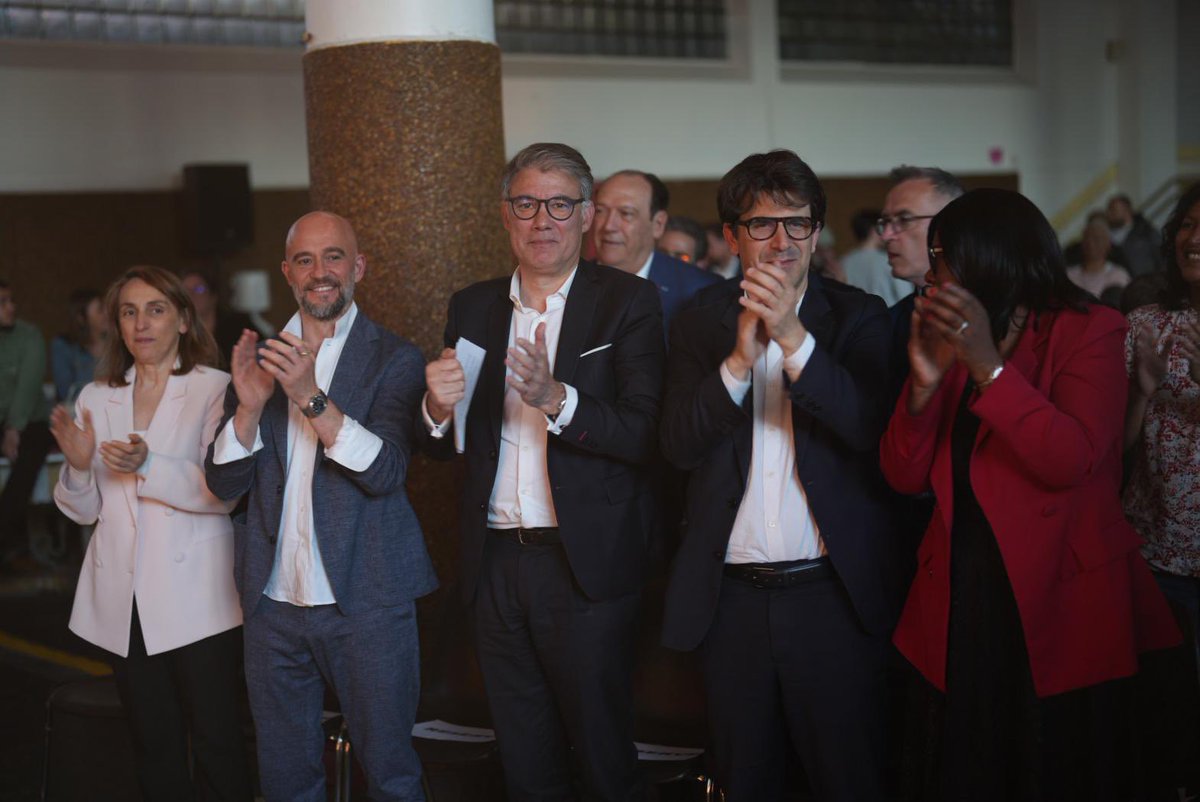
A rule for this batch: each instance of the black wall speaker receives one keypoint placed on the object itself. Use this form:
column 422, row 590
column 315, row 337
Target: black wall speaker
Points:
column 218, row 212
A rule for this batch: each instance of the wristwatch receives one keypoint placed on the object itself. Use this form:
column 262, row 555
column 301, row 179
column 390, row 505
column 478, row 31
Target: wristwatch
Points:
column 553, row 416
column 316, row 405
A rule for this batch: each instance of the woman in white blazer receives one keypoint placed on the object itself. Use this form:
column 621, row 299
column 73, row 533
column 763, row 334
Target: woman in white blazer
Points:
column 156, row 588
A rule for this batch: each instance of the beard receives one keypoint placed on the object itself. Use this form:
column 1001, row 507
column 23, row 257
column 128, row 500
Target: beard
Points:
column 331, row 310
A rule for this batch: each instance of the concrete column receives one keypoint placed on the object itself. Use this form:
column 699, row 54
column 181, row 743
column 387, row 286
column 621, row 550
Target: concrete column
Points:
column 406, row 140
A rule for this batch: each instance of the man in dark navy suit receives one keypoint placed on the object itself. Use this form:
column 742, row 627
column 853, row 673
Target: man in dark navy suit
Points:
column 631, row 214
column 557, row 510
column 775, row 403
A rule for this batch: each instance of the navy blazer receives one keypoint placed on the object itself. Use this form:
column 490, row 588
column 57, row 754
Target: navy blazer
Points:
column 677, row 282
column 610, row 349
column 369, row 537
column 839, row 410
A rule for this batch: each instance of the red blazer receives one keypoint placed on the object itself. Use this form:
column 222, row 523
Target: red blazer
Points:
column 1047, row 471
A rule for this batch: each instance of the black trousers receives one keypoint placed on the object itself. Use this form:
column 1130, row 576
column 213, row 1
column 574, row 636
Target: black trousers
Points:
column 14, row 500
column 194, row 690
column 794, row 665
column 558, row 668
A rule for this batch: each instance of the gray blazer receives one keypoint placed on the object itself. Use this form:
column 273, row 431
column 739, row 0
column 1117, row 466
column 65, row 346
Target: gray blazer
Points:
column 369, row 537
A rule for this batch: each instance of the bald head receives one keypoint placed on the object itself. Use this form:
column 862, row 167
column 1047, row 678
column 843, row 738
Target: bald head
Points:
column 323, row 264
column 319, row 218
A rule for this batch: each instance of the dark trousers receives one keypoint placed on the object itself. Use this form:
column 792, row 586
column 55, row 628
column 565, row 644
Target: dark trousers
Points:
column 196, row 690
column 14, row 500
column 370, row 660
column 794, row 664
column 558, row 670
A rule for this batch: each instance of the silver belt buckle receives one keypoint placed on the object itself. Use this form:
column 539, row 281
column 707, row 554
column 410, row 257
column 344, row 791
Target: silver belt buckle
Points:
column 521, row 537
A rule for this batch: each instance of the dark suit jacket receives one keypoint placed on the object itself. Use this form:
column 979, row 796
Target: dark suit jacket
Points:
column 839, row 408
column 610, row 350
column 677, row 282
column 370, row 541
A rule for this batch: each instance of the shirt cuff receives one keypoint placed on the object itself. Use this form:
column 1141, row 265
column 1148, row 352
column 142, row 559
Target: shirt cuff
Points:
column 436, row 430
column 74, row 480
column 563, row 420
column 227, row 448
column 736, row 388
column 355, row 447
column 794, row 364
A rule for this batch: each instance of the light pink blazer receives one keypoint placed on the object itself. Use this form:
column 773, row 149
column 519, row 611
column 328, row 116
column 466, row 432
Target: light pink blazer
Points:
column 162, row 536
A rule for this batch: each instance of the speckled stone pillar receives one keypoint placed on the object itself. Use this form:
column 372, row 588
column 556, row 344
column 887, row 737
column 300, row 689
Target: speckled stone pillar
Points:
column 405, row 139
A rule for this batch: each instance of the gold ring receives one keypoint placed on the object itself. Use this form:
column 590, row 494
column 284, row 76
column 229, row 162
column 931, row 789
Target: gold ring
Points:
column 306, row 353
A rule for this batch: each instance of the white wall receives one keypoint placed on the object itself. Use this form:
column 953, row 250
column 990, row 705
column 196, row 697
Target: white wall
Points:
column 90, row 117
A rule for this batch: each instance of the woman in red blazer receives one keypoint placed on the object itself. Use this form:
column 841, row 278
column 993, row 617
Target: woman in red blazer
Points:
column 1012, row 415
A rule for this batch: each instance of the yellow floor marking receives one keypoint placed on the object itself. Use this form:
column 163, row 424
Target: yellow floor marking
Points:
column 56, row 656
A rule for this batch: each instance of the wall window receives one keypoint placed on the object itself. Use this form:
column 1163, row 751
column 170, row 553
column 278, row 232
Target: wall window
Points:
column 692, row 29
column 963, row 32
column 247, row 23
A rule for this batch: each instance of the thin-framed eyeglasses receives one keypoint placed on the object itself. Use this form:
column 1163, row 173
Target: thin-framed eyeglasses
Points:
column 559, row 207
column 934, row 253
column 900, row 222
column 761, row 228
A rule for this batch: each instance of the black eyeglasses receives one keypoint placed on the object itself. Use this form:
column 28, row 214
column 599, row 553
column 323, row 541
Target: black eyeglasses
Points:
column 901, row 222
column 559, row 207
column 761, row 228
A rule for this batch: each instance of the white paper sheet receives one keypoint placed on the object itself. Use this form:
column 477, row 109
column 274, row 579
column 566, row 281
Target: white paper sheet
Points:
column 438, row 730
column 658, row 752
column 470, row 356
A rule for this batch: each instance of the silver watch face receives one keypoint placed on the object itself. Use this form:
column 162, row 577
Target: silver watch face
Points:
column 317, row 404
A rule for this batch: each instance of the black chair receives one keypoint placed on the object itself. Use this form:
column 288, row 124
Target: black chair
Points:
column 89, row 749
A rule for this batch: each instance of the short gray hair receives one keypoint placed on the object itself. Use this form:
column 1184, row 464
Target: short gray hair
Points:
column 944, row 183
column 547, row 156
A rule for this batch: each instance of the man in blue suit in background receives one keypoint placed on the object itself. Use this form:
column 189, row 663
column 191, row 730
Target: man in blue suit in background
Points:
column 329, row 556
column 631, row 213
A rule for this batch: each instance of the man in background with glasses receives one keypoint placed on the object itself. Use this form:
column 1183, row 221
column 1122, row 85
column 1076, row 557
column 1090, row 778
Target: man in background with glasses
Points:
column 556, row 509
column 775, row 404
column 916, row 196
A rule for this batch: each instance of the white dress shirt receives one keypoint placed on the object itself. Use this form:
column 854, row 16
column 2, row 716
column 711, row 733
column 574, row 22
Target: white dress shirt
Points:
column 774, row 522
column 298, row 575
column 645, row 271
column 521, row 496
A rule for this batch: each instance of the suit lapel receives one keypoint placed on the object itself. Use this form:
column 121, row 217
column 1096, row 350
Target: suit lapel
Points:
column 743, row 436
column 499, row 323
column 162, row 425
column 119, row 412
column 576, row 322
column 817, row 317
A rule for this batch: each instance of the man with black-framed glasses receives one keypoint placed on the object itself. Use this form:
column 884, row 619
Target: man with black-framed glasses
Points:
column 785, row 576
column 556, row 509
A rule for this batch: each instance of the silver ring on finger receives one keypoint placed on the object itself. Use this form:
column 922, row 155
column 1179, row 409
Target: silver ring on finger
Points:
column 962, row 327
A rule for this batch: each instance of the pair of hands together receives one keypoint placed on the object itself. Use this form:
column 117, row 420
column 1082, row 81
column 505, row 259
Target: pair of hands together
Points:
column 1152, row 348
column 950, row 324
column 531, row 377
column 768, row 301
column 286, row 360
column 78, row 444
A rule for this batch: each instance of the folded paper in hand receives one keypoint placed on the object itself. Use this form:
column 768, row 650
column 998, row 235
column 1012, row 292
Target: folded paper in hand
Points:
column 470, row 356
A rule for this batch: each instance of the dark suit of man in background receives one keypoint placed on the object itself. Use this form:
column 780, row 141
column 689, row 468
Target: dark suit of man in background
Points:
column 775, row 403
column 556, row 511
column 329, row 556
column 631, row 214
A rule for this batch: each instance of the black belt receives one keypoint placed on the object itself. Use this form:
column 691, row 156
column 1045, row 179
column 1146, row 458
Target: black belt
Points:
column 780, row 575
column 534, row 536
